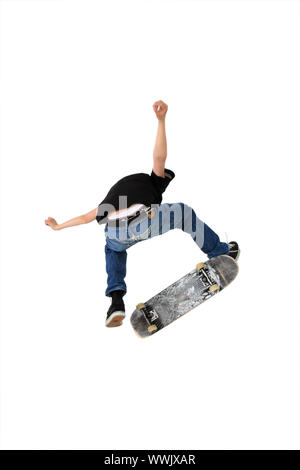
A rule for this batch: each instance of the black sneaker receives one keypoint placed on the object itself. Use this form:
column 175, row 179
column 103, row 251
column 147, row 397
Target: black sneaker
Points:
column 234, row 250
column 116, row 312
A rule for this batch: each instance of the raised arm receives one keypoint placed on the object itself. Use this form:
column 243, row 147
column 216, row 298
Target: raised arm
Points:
column 160, row 147
column 82, row 219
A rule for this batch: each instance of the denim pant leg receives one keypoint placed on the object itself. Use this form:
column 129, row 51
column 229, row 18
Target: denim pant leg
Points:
column 117, row 242
column 115, row 266
column 212, row 245
column 182, row 216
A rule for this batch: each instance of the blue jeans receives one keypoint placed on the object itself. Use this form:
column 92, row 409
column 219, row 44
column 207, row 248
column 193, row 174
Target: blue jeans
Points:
column 164, row 217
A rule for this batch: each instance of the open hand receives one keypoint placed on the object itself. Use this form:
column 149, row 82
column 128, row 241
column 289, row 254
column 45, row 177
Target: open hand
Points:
column 52, row 223
column 160, row 109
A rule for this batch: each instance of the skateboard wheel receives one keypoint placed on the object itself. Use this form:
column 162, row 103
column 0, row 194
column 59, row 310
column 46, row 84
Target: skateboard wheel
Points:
column 152, row 328
column 214, row 288
column 140, row 306
column 200, row 266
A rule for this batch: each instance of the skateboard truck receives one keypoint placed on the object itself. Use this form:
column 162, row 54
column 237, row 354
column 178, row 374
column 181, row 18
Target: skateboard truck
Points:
column 150, row 315
column 213, row 287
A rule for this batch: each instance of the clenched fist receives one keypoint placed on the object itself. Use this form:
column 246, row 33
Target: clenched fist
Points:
column 160, row 109
column 52, row 223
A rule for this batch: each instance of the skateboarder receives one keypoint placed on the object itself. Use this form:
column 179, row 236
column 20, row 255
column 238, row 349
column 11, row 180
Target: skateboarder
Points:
column 132, row 212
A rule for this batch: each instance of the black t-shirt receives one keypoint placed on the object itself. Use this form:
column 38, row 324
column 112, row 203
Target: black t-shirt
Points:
column 139, row 188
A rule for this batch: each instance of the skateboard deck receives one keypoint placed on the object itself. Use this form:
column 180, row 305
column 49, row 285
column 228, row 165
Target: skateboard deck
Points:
column 200, row 284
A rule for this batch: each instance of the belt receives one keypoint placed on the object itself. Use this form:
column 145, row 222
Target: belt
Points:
column 122, row 222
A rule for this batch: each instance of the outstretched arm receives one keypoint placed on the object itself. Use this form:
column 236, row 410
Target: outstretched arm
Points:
column 82, row 219
column 160, row 147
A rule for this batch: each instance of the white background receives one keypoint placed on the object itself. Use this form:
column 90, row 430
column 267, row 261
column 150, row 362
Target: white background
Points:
column 78, row 80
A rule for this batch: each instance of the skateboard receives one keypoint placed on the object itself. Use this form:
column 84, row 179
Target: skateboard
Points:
column 200, row 284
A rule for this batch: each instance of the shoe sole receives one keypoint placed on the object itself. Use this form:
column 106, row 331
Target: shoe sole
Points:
column 115, row 319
